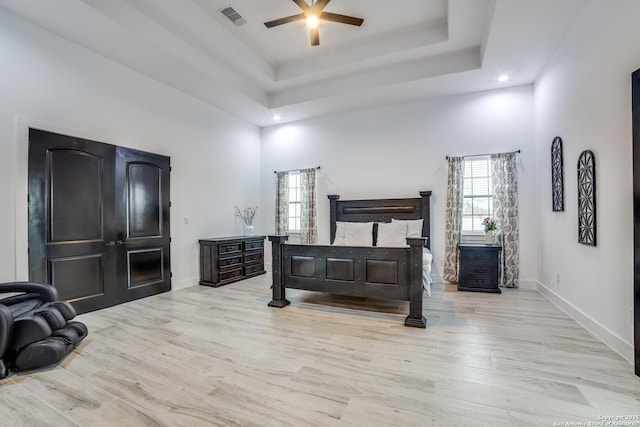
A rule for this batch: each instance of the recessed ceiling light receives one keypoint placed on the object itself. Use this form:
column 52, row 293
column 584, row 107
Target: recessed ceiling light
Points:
column 503, row 78
column 276, row 117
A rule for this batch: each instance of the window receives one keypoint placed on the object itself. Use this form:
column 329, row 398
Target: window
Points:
column 295, row 204
column 477, row 194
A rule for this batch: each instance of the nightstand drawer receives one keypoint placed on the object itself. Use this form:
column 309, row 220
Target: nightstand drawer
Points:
column 478, row 268
column 478, row 281
column 475, row 256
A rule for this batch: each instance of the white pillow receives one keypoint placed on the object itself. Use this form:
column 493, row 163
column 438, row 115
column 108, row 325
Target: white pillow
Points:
column 392, row 234
column 414, row 226
column 340, row 234
column 358, row 234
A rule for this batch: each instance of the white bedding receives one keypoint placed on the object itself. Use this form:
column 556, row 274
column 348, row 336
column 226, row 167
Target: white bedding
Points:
column 427, row 260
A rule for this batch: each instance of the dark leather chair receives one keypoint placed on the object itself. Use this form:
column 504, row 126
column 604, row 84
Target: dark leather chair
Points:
column 36, row 329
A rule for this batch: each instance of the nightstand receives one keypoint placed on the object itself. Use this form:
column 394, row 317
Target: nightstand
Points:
column 479, row 268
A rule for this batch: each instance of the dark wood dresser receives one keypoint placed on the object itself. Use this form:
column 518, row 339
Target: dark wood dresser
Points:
column 479, row 267
column 225, row 260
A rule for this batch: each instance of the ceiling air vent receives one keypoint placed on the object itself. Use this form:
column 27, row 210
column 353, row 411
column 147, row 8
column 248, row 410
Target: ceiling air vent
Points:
column 233, row 16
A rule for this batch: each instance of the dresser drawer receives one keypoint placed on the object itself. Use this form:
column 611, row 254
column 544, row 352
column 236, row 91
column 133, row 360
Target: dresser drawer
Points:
column 230, row 261
column 253, row 244
column 230, row 248
column 253, row 257
column 251, row 269
column 230, row 274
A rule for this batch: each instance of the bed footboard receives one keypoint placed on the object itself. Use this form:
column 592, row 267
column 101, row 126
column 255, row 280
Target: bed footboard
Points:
column 385, row 273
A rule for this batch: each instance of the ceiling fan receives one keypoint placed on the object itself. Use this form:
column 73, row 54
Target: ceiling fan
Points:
column 312, row 14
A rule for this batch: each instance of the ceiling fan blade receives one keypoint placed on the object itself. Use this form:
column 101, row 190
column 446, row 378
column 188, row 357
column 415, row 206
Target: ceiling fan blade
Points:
column 320, row 5
column 342, row 19
column 314, row 34
column 302, row 5
column 286, row 20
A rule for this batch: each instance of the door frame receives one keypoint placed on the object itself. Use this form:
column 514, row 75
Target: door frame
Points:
column 21, row 189
column 635, row 118
column 112, row 216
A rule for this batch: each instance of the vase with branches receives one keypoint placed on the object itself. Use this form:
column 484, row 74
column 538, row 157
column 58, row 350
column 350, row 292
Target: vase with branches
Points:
column 246, row 216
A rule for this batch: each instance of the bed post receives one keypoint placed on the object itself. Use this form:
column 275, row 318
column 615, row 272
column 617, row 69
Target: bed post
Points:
column 415, row 318
column 277, row 270
column 333, row 214
column 425, row 206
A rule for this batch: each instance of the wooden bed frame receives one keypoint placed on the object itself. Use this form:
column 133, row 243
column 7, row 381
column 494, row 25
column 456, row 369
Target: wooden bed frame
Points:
column 374, row 272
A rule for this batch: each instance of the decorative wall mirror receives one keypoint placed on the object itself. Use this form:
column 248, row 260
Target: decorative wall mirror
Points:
column 587, row 198
column 557, row 175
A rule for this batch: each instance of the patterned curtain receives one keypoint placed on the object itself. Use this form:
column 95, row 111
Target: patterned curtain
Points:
column 505, row 211
column 453, row 218
column 308, row 217
column 282, row 204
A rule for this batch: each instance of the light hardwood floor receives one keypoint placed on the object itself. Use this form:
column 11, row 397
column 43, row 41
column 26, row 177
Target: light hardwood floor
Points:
column 219, row 356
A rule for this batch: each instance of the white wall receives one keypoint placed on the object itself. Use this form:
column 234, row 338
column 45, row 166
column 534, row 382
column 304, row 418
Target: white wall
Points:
column 398, row 150
column 49, row 83
column 584, row 96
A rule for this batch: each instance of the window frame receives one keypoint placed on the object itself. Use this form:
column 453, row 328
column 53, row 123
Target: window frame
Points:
column 489, row 196
column 295, row 184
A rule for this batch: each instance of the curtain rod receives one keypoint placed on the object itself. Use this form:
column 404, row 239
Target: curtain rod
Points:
column 296, row 170
column 478, row 155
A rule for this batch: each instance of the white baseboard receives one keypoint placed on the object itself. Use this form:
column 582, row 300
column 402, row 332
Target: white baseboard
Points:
column 527, row 284
column 616, row 343
column 185, row 283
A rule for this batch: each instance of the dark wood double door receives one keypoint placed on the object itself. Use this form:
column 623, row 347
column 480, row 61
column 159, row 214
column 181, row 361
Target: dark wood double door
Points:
column 98, row 220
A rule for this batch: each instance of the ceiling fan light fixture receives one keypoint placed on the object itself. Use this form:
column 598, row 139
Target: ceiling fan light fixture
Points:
column 312, row 21
column 311, row 15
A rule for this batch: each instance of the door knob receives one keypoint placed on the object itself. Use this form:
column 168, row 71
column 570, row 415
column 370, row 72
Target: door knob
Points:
column 110, row 243
column 119, row 242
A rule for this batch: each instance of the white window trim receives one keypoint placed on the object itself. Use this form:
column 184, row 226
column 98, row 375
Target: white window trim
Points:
column 295, row 232
column 470, row 235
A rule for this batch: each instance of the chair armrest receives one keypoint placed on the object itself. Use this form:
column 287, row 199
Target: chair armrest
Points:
column 45, row 293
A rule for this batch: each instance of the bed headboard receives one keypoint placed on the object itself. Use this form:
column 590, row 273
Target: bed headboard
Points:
column 381, row 210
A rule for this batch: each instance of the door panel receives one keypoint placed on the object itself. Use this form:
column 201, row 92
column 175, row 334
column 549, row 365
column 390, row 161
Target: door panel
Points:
column 144, row 208
column 145, row 264
column 78, row 278
column 145, row 267
column 98, row 220
column 84, row 221
column 71, row 204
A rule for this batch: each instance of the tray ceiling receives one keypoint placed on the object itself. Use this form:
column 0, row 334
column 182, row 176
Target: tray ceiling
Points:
column 404, row 51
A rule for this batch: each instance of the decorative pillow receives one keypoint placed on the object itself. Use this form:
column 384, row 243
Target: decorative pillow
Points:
column 358, row 234
column 340, row 234
column 392, row 234
column 414, row 226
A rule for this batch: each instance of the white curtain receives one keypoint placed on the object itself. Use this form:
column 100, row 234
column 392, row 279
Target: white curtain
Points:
column 308, row 217
column 505, row 211
column 453, row 218
column 282, row 203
